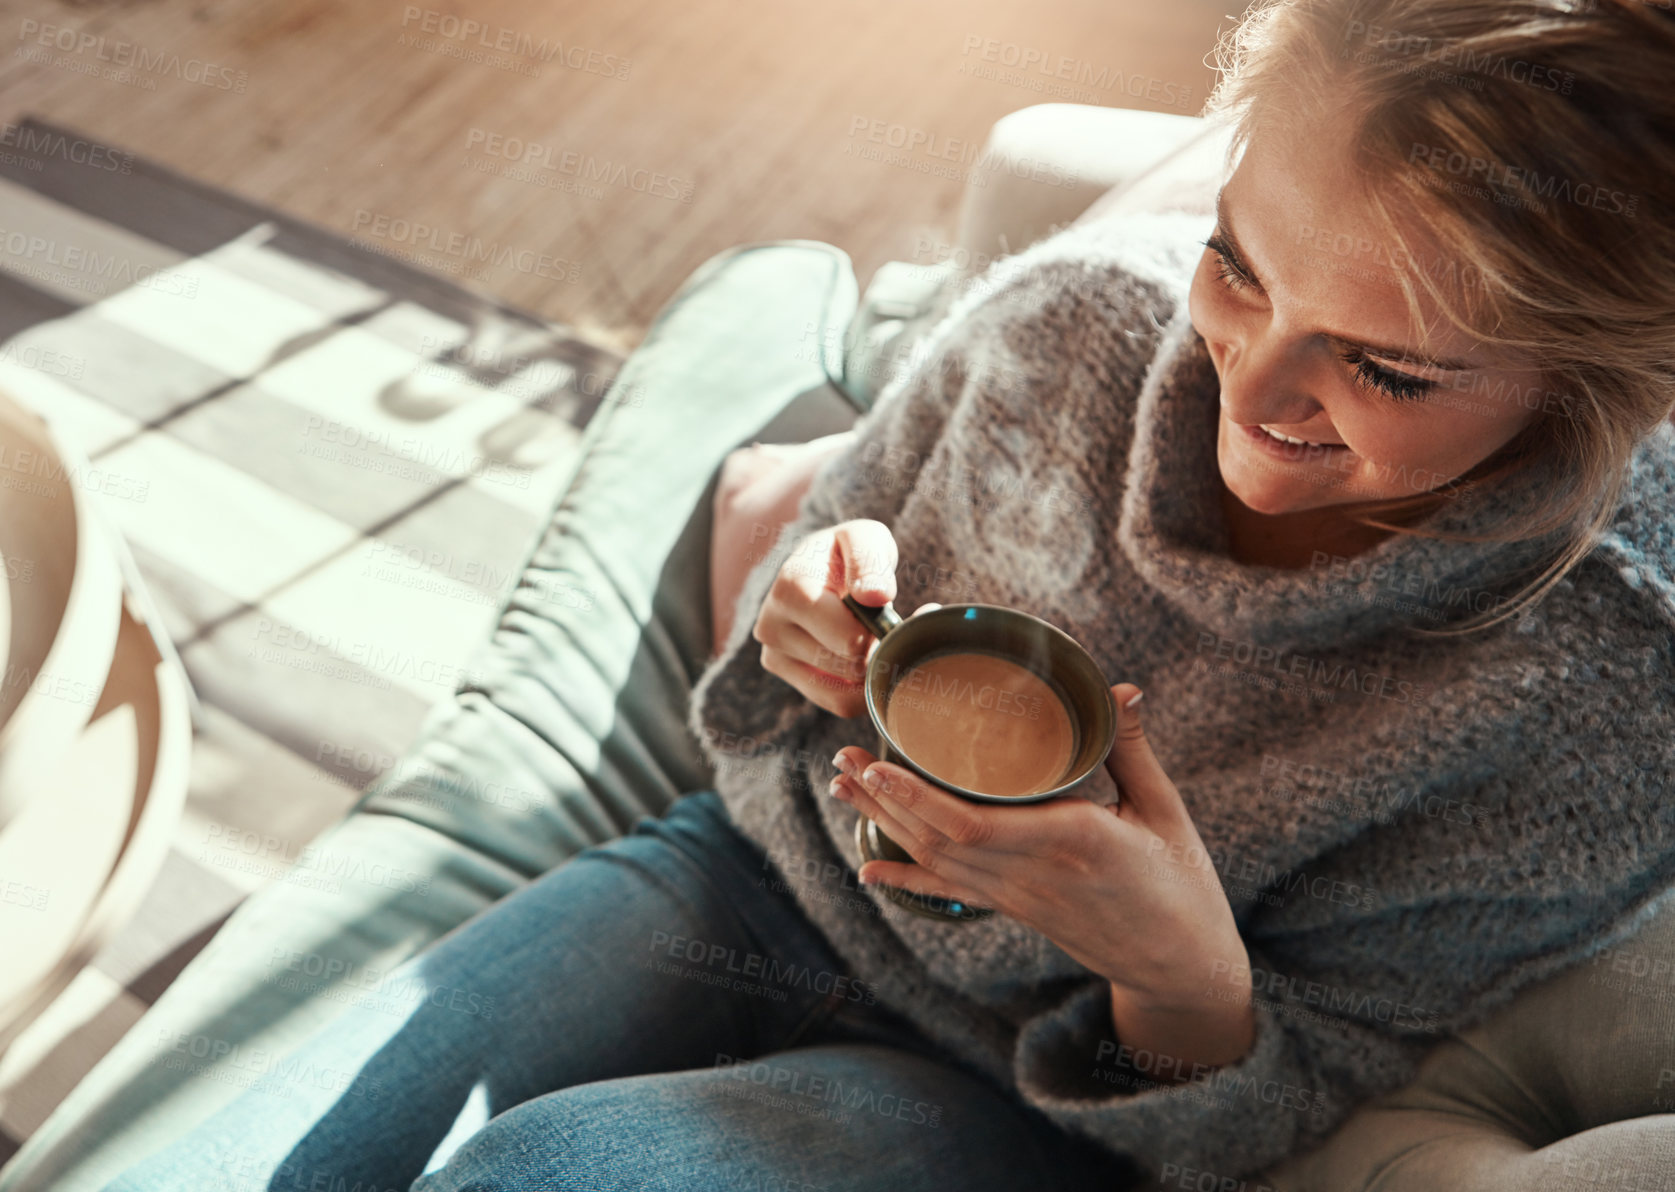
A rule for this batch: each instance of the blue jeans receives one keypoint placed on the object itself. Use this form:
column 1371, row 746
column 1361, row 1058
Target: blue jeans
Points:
column 657, row 1013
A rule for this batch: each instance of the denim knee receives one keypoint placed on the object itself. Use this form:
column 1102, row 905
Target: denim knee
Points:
column 603, row 1136
column 699, row 814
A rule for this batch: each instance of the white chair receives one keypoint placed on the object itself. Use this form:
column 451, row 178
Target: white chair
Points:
column 95, row 725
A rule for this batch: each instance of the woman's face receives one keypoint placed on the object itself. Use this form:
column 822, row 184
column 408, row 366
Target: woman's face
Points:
column 1297, row 301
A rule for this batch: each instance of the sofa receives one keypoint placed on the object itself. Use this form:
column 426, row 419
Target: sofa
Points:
column 573, row 726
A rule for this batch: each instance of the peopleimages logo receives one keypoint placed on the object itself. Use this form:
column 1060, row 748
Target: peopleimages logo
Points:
column 458, row 248
column 1509, row 183
column 1330, row 999
column 1477, row 65
column 508, row 41
column 582, row 166
column 727, row 960
column 1057, row 75
column 1252, row 872
column 81, row 268
column 125, row 57
column 1286, row 664
column 830, row 1089
column 40, row 142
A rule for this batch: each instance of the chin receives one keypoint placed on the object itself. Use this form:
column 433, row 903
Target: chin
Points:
column 1262, row 499
column 1259, row 491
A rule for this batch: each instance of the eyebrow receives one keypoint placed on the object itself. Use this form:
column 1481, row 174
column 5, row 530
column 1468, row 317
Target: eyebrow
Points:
column 1224, row 232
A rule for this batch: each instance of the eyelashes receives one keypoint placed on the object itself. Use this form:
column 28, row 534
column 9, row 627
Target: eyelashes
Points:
column 1229, row 274
column 1395, row 385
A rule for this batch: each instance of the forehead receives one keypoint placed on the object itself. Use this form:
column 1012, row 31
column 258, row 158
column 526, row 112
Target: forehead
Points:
column 1303, row 168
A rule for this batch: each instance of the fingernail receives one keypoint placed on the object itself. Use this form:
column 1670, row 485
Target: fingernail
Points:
column 835, row 789
column 873, row 777
column 1138, row 696
column 841, row 762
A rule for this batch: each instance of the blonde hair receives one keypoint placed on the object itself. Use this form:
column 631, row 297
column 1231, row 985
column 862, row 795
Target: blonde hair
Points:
column 1534, row 141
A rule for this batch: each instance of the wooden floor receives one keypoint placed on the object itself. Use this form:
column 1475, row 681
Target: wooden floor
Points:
column 598, row 151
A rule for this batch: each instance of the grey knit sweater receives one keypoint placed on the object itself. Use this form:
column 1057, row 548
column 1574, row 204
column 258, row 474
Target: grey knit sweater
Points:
column 1408, row 829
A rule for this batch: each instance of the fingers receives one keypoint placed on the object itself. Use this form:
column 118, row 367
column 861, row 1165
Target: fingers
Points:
column 805, row 621
column 867, row 551
column 840, row 696
column 941, row 890
column 807, row 595
column 809, row 637
column 925, row 845
column 832, row 639
column 898, row 822
column 1146, row 790
column 940, row 823
column 930, row 812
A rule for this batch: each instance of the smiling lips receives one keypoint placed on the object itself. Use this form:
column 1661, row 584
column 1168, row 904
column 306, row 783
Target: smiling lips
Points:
column 1286, row 445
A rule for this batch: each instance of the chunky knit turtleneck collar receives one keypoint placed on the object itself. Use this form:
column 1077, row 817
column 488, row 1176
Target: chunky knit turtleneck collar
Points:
column 1173, row 531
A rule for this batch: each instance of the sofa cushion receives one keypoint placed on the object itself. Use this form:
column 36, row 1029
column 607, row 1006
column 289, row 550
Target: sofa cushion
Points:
column 576, row 725
column 903, row 301
column 1571, row 1085
column 574, row 728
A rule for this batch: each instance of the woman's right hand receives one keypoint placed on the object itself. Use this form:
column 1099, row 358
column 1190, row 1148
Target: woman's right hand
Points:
column 809, row 637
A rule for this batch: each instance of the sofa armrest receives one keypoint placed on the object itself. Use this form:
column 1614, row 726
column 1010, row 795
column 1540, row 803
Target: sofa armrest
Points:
column 1045, row 166
column 1048, row 163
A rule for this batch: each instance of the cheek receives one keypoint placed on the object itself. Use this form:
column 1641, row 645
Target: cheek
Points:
column 1409, row 451
column 1377, row 431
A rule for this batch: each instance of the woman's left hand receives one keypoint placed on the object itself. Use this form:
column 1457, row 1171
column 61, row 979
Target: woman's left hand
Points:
column 1128, row 890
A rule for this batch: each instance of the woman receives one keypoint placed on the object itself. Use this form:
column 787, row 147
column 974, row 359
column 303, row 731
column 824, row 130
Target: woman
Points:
column 1408, row 686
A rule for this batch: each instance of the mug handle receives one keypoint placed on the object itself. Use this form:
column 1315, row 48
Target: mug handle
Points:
column 879, row 621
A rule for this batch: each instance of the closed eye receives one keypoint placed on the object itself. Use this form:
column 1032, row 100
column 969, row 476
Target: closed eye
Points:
column 1230, row 270
column 1372, row 376
column 1235, row 275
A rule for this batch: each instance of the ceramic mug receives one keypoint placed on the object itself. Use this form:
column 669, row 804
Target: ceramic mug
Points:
column 1046, row 651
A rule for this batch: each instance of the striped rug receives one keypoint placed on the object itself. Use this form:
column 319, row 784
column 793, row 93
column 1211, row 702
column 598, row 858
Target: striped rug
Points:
column 330, row 466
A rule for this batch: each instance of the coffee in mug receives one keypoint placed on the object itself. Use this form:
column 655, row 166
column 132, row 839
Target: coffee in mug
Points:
column 983, row 722
column 992, row 704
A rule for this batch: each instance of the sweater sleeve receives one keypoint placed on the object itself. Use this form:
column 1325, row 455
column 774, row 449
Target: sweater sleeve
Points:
column 1325, row 1042
column 999, row 354
column 739, row 712
column 1002, row 343
column 1346, row 1006
column 1306, row 1068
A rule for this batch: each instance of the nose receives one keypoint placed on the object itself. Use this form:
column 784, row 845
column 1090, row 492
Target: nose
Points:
column 1264, row 380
